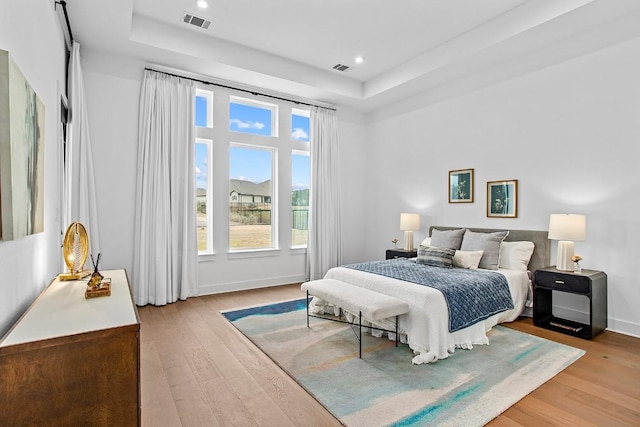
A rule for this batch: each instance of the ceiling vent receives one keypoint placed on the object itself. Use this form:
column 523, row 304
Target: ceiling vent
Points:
column 341, row 67
column 189, row 18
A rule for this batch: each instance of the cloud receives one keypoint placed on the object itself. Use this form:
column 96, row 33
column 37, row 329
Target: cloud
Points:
column 299, row 134
column 240, row 124
column 198, row 171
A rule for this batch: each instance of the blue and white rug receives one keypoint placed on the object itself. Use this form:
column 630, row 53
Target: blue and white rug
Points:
column 469, row 388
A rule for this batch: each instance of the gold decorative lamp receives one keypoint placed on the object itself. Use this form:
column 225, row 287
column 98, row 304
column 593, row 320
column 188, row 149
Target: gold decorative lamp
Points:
column 75, row 249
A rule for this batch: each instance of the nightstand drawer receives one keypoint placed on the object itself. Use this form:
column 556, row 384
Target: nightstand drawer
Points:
column 562, row 282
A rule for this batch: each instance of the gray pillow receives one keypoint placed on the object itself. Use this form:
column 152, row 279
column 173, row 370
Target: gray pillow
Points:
column 487, row 242
column 447, row 238
column 436, row 257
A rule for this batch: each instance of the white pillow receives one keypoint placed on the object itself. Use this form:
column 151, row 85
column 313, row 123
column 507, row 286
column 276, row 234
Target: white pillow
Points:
column 467, row 259
column 516, row 255
column 426, row 242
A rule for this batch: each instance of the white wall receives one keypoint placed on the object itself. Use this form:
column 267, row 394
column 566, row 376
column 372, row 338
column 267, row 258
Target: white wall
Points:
column 112, row 84
column 569, row 133
column 29, row 263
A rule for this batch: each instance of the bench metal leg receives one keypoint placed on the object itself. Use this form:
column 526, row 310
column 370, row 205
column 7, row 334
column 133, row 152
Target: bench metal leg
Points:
column 360, row 334
column 353, row 325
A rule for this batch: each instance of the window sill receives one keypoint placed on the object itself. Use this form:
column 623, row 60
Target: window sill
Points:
column 207, row 257
column 253, row 253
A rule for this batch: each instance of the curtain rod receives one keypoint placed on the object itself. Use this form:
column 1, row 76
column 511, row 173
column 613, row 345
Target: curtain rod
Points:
column 66, row 21
column 242, row 90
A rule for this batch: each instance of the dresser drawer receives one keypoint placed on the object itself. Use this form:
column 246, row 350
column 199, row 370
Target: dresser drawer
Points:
column 562, row 282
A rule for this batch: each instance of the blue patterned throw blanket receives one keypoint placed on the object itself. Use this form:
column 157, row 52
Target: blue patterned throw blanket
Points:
column 471, row 295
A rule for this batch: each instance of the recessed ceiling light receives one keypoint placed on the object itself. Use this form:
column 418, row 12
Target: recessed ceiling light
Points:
column 359, row 59
column 202, row 4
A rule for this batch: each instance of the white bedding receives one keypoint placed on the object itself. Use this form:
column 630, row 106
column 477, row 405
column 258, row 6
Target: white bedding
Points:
column 426, row 324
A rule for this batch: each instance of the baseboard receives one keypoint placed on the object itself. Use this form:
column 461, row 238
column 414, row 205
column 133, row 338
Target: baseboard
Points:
column 218, row 288
column 623, row 327
column 614, row 325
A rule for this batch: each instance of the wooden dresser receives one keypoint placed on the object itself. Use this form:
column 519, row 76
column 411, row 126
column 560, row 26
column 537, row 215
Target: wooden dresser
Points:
column 73, row 361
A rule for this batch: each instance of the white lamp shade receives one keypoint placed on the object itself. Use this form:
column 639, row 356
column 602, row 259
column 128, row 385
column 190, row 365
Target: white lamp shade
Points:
column 567, row 227
column 409, row 221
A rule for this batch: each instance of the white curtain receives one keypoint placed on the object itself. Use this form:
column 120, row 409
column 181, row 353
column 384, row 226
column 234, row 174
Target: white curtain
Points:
column 324, row 247
column 165, row 241
column 79, row 184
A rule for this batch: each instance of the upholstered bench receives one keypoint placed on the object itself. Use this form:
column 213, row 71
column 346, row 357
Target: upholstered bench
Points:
column 374, row 306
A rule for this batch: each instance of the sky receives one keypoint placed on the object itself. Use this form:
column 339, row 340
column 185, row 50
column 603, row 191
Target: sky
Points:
column 253, row 164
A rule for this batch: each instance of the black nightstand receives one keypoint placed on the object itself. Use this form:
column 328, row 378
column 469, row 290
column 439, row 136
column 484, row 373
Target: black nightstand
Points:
column 401, row 253
column 590, row 283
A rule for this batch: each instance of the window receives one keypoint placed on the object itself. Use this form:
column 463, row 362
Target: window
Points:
column 300, row 125
column 251, row 197
column 203, row 162
column 203, row 194
column 300, row 179
column 249, row 116
column 204, row 108
column 241, row 166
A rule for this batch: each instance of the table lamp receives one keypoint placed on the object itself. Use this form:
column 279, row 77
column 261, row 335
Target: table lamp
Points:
column 566, row 228
column 408, row 223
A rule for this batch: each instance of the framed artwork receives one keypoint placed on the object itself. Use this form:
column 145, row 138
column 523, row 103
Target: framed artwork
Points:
column 502, row 199
column 461, row 186
column 21, row 154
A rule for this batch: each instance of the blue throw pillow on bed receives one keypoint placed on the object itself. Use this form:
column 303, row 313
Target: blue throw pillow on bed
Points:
column 435, row 257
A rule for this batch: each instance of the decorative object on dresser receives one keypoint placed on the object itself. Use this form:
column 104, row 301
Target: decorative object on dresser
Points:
column 590, row 283
column 98, row 285
column 502, row 199
column 461, row 186
column 73, row 361
column 75, row 249
column 401, row 253
column 409, row 222
column 566, row 228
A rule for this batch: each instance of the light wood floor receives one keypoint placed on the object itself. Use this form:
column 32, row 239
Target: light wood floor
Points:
column 198, row 370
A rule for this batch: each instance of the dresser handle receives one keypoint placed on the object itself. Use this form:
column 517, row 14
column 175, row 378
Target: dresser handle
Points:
column 559, row 282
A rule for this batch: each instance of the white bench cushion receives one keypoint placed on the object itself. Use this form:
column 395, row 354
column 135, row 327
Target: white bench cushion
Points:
column 373, row 305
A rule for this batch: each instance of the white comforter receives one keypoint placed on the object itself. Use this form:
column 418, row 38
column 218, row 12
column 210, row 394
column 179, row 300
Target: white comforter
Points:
column 426, row 324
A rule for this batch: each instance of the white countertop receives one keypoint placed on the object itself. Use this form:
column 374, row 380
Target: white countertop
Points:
column 62, row 310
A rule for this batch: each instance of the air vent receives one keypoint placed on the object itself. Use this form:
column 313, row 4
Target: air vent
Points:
column 341, row 67
column 189, row 18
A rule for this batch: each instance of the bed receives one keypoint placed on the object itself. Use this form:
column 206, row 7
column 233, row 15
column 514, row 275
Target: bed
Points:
column 426, row 328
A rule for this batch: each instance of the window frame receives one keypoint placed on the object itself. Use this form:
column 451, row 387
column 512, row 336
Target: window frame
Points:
column 282, row 145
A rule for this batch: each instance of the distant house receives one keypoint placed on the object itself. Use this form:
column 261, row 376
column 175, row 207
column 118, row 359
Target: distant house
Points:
column 201, row 200
column 246, row 192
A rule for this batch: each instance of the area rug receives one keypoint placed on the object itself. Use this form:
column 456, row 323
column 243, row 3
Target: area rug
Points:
column 469, row 388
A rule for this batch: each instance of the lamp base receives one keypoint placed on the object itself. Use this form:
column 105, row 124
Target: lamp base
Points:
column 565, row 252
column 408, row 240
column 73, row 275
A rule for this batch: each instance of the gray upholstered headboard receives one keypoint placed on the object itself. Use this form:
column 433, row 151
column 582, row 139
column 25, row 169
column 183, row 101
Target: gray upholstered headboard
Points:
column 541, row 253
